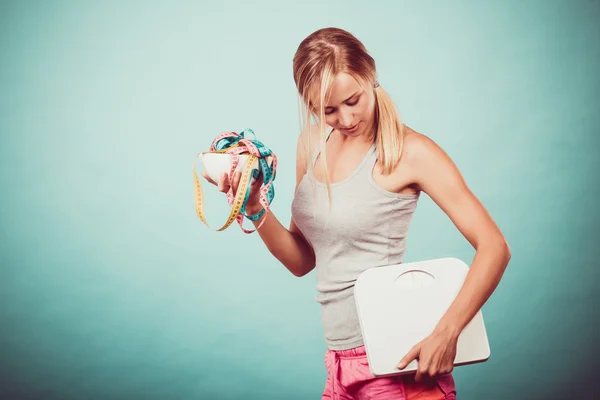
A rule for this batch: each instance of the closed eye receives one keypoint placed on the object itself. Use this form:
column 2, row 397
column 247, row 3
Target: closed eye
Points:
column 355, row 102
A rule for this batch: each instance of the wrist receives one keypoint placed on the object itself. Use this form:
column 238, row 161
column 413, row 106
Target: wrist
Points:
column 252, row 209
column 449, row 328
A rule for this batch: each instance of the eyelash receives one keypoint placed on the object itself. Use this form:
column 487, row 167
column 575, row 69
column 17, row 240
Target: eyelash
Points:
column 350, row 104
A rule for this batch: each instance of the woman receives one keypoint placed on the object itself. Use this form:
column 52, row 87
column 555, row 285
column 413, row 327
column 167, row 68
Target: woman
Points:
column 354, row 200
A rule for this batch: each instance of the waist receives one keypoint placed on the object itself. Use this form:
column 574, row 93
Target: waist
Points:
column 355, row 352
column 339, row 316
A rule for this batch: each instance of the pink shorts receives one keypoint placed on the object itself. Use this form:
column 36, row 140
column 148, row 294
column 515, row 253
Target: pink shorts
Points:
column 349, row 378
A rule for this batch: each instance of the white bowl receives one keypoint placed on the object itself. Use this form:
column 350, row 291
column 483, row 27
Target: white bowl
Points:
column 216, row 163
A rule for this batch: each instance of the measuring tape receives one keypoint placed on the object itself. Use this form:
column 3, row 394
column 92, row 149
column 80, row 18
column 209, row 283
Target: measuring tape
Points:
column 235, row 144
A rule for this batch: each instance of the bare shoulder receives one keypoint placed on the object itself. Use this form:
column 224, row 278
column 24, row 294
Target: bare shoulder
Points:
column 419, row 149
column 416, row 143
column 420, row 153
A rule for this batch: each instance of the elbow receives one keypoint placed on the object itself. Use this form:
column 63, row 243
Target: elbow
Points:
column 305, row 260
column 498, row 248
column 300, row 272
column 303, row 269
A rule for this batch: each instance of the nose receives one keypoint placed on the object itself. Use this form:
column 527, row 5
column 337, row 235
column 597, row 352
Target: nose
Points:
column 346, row 119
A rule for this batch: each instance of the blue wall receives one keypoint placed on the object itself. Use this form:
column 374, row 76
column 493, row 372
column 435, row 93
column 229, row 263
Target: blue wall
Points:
column 112, row 288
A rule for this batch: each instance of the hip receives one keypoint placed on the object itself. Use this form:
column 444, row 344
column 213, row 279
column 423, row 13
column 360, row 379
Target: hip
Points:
column 349, row 376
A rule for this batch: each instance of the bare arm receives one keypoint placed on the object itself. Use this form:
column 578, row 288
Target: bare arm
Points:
column 438, row 176
column 288, row 246
column 441, row 180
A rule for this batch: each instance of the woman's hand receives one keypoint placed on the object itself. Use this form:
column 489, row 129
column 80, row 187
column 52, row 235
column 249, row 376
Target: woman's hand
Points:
column 435, row 354
column 253, row 205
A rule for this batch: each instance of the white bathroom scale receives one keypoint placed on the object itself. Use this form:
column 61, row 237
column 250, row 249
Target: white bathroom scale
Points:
column 400, row 305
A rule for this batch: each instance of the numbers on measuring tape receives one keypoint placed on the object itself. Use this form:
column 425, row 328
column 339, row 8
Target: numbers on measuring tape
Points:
column 235, row 144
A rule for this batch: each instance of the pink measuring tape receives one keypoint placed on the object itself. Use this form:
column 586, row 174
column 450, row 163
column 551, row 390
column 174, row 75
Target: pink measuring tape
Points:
column 236, row 144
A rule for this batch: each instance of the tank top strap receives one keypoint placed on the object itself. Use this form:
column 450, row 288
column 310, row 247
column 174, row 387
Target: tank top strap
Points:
column 366, row 167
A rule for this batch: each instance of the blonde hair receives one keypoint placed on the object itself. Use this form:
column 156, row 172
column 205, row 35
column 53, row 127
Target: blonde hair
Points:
column 320, row 57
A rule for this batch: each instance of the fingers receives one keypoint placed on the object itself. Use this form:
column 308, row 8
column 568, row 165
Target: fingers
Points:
column 430, row 369
column 419, row 375
column 411, row 355
column 424, row 372
column 208, row 178
column 259, row 180
column 224, row 185
column 236, row 181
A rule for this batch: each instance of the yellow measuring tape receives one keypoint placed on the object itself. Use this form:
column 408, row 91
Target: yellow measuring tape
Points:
column 235, row 144
column 239, row 196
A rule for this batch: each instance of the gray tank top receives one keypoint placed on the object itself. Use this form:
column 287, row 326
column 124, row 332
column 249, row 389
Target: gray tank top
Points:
column 367, row 228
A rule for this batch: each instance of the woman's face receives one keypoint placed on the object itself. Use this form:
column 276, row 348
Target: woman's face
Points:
column 350, row 109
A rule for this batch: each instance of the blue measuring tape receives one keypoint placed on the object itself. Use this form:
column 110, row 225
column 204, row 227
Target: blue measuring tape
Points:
column 235, row 144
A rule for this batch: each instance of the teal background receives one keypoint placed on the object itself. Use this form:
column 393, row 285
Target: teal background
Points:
column 112, row 288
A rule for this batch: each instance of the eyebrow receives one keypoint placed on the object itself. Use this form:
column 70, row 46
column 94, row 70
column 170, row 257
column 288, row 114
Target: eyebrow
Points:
column 359, row 91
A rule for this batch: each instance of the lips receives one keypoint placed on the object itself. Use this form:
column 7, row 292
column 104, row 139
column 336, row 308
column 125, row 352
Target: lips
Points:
column 352, row 129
